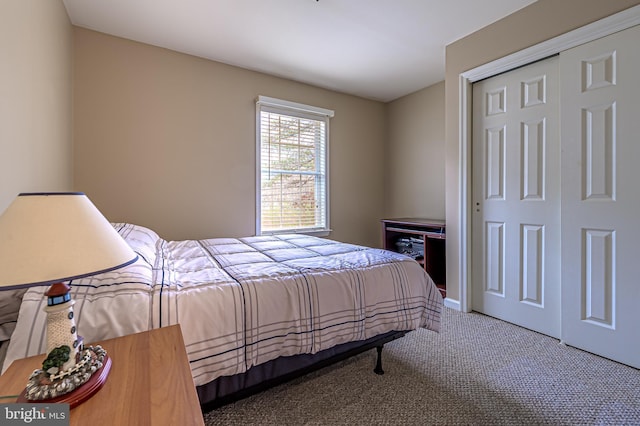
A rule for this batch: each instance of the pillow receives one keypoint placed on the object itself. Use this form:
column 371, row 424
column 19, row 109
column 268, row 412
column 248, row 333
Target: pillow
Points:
column 142, row 240
column 10, row 301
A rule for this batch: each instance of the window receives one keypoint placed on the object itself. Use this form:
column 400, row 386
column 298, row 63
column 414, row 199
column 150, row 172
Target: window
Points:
column 292, row 178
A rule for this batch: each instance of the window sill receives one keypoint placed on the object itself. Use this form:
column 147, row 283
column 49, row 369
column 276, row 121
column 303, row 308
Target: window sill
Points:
column 317, row 233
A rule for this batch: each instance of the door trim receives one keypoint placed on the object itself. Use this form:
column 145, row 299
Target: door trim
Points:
column 601, row 28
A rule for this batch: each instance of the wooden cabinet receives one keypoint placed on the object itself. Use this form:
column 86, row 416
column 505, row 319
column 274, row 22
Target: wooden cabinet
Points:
column 422, row 239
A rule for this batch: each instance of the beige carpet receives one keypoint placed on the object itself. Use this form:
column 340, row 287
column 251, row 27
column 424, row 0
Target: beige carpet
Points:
column 477, row 371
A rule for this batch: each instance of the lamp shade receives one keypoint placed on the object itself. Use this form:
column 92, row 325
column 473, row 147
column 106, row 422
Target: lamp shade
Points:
column 51, row 237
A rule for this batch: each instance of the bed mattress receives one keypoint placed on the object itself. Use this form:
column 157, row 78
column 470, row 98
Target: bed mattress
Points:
column 242, row 302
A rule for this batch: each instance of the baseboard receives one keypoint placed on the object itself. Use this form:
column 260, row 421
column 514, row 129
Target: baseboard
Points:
column 451, row 303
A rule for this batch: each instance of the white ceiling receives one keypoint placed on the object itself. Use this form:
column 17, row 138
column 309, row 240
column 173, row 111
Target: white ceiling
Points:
column 377, row 49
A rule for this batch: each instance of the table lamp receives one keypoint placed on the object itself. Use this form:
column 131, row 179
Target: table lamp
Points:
column 47, row 239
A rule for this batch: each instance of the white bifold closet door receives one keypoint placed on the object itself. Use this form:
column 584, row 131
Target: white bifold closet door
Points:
column 556, row 196
column 600, row 97
column 516, row 197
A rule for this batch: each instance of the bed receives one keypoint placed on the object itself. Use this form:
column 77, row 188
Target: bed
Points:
column 253, row 311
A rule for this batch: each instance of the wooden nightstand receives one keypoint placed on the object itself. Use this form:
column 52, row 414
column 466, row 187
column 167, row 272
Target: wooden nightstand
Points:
column 149, row 383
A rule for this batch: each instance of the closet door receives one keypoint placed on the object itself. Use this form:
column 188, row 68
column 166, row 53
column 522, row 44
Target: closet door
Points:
column 600, row 93
column 516, row 197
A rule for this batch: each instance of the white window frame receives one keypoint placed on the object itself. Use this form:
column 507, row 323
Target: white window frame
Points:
column 294, row 109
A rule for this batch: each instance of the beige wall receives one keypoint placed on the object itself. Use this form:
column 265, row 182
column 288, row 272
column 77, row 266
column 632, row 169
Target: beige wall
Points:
column 540, row 21
column 414, row 155
column 167, row 140
column 35, row 98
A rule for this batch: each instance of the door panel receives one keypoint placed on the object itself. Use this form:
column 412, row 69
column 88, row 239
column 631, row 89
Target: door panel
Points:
column 516, row 204
column 601, row 196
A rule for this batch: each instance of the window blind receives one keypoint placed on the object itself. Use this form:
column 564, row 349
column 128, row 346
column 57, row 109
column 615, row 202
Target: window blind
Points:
column 292, row 152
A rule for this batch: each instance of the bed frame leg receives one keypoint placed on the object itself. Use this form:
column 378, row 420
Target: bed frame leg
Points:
column 378, row 369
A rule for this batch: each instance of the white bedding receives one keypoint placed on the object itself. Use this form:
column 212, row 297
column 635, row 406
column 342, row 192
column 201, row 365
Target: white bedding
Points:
column 242, row 302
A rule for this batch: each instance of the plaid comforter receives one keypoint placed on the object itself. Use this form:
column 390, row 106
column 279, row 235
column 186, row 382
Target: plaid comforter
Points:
column 242, row 302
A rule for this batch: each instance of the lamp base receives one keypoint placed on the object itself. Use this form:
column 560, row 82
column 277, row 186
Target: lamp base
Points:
column 79, row 394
